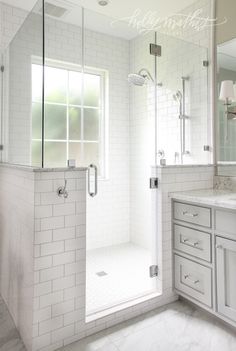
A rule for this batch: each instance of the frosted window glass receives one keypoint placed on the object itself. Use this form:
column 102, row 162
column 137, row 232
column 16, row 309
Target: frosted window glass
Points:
column 91, row 90
column 55, row 154
column 55, row 85
column 74, row 123
column 55, row 122
column 91, row 124
column 75, row 153
column 37, row 120
column 75, row 82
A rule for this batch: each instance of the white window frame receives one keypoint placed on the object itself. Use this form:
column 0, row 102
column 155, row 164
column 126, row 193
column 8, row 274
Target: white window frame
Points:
column 103, row 108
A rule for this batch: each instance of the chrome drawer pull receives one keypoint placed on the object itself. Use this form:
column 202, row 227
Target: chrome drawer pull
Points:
column 192, row 281
column 196, row 243
column 186, row 213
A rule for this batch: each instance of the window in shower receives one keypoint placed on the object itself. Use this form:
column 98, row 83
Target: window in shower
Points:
column 74, row 116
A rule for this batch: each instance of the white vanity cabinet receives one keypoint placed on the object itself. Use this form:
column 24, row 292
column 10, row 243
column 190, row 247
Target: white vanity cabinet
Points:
column 204, row 255
column 226, row 277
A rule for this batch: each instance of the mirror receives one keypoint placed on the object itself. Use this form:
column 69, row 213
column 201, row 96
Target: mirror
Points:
column 226, row 108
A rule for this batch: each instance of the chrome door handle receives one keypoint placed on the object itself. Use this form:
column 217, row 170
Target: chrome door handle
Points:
column 93, row 193
column 186, row 213
column 192, row 281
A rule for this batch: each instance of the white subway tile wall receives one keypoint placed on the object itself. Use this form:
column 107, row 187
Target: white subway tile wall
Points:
column 17, row 247
column 59, row 279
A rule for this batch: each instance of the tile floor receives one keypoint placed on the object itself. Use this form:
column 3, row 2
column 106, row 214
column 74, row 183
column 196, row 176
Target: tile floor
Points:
column 9, row 336
column 175, row 327
column 124, row 276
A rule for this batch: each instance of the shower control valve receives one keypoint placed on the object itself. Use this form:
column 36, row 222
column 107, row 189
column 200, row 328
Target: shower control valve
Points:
column 62, row 192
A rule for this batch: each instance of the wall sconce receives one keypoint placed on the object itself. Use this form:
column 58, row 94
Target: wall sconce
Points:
column 228, row 95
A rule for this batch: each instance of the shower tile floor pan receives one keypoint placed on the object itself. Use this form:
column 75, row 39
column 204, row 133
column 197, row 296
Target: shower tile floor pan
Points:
column 117, row 274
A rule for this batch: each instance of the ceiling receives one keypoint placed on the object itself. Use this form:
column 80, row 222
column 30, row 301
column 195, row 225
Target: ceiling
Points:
column 99, row 18
column 118, row 8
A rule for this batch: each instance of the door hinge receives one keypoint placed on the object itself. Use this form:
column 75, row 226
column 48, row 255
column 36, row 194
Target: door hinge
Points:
column 1, row 147
column 2, row 68
column 153, row 271
column 205, row 63
column 155, row 50
column 153, row 183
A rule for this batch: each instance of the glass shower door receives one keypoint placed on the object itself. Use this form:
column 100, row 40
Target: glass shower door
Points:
column 119, row 139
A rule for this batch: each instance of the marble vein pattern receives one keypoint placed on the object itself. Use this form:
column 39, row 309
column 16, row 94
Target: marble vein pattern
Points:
column 176, row 327
column 210, row 197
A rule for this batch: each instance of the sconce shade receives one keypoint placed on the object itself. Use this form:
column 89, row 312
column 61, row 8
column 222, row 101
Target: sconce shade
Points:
column 227, row 91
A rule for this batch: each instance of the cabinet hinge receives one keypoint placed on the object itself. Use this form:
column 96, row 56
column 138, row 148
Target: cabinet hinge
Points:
column 2, row 68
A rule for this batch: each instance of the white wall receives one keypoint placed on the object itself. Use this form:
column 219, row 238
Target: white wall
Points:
column 227, row 31
column 11, row 19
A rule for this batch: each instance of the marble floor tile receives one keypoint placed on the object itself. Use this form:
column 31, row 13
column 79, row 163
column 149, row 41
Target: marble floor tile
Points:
column 175, row 327
column 9, row 337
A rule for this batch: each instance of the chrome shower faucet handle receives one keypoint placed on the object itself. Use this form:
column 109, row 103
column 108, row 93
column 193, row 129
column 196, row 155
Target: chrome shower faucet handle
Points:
column 61, row 191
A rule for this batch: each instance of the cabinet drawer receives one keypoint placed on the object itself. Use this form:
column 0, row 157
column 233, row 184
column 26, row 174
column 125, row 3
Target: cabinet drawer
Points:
column 192, row 214
column 225, row 221
column 192, row 242
column 193, row 279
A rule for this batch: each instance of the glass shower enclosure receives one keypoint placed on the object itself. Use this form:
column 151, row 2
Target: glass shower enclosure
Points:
column 82, row 89
column 67, row 100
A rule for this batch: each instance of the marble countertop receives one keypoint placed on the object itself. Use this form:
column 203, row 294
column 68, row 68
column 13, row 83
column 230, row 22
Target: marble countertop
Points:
column 210, row 197
column 38, row 169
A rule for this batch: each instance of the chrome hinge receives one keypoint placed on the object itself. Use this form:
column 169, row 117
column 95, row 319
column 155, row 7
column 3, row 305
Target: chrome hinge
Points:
column 2, row 69
column 205, row 63
column 1, row 147
column 153, row 183
column 155, row 50
column 153, row 271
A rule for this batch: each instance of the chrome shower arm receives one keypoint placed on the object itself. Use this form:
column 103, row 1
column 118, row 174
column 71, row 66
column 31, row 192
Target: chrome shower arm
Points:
column 145, row 72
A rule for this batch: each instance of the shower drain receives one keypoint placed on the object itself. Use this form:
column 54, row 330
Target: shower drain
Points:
column 101, row 274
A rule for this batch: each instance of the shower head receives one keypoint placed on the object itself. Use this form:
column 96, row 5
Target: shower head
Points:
column 140, row 78
column 136, row 79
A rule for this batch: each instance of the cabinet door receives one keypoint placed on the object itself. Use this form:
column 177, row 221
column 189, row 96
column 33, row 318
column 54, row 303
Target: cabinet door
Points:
column 226, row 277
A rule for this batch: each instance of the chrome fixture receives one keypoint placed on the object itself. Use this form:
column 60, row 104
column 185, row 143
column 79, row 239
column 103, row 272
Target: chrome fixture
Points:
column 180, row 97
column 161, row 153
column 228, row 95
column 62, row 192
column 153, row 271
column 155, row 50
column 140, row 78
column 153, row 183
column 103, row 2
column 206, row 148
column 93, row 193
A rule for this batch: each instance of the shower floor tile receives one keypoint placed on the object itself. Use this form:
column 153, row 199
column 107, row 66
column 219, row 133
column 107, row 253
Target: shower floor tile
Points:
column 117, row 274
